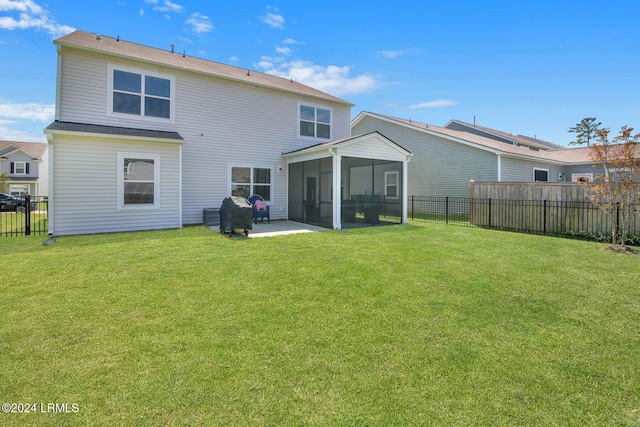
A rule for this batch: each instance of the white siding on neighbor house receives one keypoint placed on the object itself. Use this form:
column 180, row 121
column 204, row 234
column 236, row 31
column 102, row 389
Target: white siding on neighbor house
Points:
column 222, row 123
column 438, row 167
column 521, row 170
column 85, row 178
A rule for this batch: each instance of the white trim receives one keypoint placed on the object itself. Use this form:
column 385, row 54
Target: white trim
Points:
column 540, row 169
column 499, row 168
column 142, row 72
column 575, row 177
column 24, row 168
column 315, row 106
column 251, row 184
column 397, row 184
column 156, row 181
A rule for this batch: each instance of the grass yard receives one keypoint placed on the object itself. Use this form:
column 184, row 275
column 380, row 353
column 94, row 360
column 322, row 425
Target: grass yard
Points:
column 418, row 324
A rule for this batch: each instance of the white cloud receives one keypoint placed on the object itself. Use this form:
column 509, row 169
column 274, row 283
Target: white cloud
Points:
column 31, row 111
column 390, row 54
column 29, row 15
column 436, row 103
column 274, row 20
column 284, row 50
column 141, row 12
column 7, row 133
column 199, row 23
column 290, row 41
column 168, row 6
column 331, row 79
column 234, row 59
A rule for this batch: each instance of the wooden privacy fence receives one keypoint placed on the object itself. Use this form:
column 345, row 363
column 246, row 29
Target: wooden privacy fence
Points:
column 549, row 208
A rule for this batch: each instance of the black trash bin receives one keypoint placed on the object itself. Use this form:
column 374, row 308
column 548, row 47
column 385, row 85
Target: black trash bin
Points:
column 236, row 216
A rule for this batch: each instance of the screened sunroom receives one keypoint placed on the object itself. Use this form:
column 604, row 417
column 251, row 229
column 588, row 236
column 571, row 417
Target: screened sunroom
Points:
column 353, row 182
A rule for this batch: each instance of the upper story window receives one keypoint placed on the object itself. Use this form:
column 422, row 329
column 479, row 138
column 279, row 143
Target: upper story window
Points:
column 19, row 168
column 141, row 94
column 314, row 121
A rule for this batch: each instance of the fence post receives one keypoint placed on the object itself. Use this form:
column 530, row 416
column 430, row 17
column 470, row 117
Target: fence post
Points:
column 544, row 216
column 412, row 204
column 27, row 216
column 489, row 212
column 446, row 210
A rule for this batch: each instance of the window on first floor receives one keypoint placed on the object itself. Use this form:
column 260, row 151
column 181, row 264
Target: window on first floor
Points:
column 581, row 177
column 540, row 175
column 138, row 180
column 314, row 121
column 392, row 185
column 19, row 190
column 248, row 180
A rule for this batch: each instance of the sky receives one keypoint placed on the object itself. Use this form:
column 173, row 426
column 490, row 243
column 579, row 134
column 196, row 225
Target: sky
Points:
column 534, row 68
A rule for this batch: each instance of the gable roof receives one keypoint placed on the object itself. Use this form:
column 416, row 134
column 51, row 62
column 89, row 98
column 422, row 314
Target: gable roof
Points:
column 324, row 146
column 33, row 149
column 563, row 156
column 124, row 49
column 504, row 136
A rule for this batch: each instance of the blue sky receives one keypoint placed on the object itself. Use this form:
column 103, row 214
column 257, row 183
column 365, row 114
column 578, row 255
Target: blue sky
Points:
column 526, row 67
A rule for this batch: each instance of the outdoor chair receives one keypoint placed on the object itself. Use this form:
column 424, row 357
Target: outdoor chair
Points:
column 260, row 208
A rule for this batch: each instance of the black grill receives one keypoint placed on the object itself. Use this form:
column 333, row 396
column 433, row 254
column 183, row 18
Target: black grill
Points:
column 236, row 216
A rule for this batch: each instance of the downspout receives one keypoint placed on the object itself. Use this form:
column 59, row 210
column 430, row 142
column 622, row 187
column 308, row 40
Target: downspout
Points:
column 499, row 168
column 405, row 189
column 337, row 197
column 50, row 196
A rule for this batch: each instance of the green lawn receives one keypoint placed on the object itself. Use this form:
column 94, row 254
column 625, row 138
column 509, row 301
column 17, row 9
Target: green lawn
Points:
column 418, row 324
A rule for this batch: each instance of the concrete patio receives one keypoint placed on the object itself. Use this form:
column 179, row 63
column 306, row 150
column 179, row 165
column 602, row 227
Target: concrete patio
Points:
column 276, row 228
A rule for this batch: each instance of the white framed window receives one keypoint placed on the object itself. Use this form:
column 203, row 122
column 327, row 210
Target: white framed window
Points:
column 137, row 93
column 314, row 121
column 581, row 177
column 138, row 181
column 19, row 168
column 392, row 185
column 19, row 190
column 247, row 180
column 540, row 175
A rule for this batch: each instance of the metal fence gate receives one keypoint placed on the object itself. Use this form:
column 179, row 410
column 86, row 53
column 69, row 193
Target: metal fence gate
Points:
column 23, row 217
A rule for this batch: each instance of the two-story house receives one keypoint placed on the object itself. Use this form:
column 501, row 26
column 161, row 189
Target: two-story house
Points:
column 25, row 164
column 146, row 138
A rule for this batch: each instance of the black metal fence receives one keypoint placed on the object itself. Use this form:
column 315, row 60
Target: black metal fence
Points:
column 568, row 219
column 23, row 217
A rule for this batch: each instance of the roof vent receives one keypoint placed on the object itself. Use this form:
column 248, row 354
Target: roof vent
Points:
column 97, row 36
column 173, row 48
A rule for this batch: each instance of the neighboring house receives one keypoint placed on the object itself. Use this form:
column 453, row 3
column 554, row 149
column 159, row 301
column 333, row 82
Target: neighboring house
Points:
column 26, row 166
column 498, row 135
column 445, row 160
column 146, row 138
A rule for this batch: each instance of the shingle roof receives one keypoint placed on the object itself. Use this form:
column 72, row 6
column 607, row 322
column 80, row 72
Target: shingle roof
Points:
column 517, row 139
column 34, row 149
column 567, row 155
column 113, row 130
column 118, row 47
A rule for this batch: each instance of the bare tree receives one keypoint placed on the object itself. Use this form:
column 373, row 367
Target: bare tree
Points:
column 616, row 190
column 4, row 182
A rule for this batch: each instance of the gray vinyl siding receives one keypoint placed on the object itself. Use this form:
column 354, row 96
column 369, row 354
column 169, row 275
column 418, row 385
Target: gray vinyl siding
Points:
column 521, row 170
column 85, row 194
column 439, row 167
column 222, row 123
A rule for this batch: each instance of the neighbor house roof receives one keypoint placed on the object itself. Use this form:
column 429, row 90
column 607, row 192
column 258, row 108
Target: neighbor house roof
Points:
column 346, row 141
column 514, row 139
column 34, row 149
column 124, row 49
column 575, row 155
